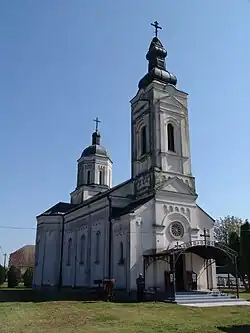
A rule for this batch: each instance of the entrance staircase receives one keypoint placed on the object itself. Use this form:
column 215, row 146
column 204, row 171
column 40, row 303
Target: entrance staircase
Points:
column 207, row 298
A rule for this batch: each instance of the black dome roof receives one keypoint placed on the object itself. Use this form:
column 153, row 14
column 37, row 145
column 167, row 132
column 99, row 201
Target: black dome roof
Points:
column 94, row 150
column 156, row 66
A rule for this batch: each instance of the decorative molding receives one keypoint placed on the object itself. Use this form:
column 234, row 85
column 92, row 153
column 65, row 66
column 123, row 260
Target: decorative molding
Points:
column 168, row 209
column 158, row 227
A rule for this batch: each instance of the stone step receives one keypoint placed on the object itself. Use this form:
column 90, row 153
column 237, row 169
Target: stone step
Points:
column 237, row 302
column 193, row 292
column 205, row 297
column 205, row 300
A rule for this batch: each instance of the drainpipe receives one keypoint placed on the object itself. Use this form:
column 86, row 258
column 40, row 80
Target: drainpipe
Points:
column 44, row 252
column 110, row 239
column 61, row 255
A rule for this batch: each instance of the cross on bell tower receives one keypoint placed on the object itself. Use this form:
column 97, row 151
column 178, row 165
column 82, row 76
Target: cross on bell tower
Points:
column 157, row 27
column 97, row 121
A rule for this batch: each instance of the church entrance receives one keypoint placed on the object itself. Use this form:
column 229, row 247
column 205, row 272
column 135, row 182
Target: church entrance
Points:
column 179, row 273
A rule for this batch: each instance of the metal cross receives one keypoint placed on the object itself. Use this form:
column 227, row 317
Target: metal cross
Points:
column 205, row 235
column 97, row 121
column 157, row 27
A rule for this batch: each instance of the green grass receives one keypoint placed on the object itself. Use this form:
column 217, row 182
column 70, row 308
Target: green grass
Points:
column 20, row 286
column 65, row 317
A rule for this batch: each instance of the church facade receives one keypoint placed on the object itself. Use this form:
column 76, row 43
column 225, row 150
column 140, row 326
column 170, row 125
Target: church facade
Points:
column 105, row 231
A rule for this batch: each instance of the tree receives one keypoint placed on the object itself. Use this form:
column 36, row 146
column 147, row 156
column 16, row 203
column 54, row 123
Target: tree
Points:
column 225, row 226
column 28, row 277
column 14, row 277
column 234, row 244
column 2, row 274
column 245, row 251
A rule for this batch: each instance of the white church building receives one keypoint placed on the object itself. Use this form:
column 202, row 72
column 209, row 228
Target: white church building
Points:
column 118, row 232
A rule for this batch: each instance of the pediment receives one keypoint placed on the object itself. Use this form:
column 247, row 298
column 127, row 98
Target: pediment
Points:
column 176, row 185
column 173, row 101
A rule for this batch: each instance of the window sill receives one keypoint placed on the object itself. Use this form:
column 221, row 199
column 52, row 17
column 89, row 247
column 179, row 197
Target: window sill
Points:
column 172, row 152
column 143, row 156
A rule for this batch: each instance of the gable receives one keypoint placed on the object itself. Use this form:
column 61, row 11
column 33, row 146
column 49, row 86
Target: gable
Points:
column 173, row 101
column 176, row 185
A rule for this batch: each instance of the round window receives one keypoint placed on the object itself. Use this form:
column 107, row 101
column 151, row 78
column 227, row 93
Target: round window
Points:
column 176, row 229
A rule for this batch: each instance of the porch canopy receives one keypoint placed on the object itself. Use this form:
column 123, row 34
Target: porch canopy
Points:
column 205, row 249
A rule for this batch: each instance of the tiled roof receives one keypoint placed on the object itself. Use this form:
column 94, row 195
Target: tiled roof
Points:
column 23, row 257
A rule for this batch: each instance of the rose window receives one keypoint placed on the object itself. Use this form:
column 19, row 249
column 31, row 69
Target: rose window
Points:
column 176, row 229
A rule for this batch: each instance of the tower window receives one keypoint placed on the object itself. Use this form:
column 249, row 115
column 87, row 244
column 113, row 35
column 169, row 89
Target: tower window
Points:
column 110, row 178
column 88, row 177
column 170, row 130
column 82, row 249
column 97, row 249
column 69, row 251
column 101, row 180
column 143, row 140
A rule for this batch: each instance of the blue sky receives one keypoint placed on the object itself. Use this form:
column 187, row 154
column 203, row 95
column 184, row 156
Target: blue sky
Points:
column 62, row 63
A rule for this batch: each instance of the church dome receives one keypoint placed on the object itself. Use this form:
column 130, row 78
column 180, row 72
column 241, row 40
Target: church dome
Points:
column 94, row 150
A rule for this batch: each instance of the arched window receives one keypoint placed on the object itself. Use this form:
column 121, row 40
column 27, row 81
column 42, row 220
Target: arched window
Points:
column 110, row 178
column 143, row 142
column 97, row 249
column 88, row 177
column 82, row 249
column 171, row 137
column 69, row 251
column 121, row 261
column 101, row 180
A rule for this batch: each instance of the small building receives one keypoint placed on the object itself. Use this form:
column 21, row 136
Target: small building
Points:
column 23, row 258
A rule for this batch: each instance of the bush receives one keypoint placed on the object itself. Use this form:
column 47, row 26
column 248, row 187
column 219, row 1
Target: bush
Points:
column 14, row 277
column 2, row 275
column 28, row 277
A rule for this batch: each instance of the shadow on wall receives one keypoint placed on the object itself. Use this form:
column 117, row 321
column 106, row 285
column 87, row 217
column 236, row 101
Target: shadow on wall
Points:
column 236, row 329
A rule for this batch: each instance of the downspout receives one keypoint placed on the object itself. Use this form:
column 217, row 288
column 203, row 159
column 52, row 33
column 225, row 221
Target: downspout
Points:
column 61, row 255
column 44, row 252
column 110, row 239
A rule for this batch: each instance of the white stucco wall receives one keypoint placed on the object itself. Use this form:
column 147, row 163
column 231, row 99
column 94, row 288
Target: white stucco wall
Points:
column 48, row 244
column 141, row 240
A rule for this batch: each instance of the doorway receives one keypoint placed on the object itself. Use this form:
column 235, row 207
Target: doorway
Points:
column 179, row 273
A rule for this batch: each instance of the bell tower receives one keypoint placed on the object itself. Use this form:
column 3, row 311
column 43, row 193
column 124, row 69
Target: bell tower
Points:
column 94, row 173
column 159, row 115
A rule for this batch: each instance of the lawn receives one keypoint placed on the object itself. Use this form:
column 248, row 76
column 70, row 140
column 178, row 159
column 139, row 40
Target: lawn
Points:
column 97, row 317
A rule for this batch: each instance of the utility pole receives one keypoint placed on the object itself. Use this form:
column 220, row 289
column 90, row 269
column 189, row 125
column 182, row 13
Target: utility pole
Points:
column 4, row 265
column 5, row 257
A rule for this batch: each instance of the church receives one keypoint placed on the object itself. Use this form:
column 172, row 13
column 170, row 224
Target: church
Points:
column 149, row 224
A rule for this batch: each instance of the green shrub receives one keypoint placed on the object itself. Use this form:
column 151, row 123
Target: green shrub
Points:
column 2, row 275
column 28, row 277
column 14, row 277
